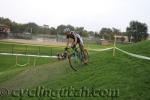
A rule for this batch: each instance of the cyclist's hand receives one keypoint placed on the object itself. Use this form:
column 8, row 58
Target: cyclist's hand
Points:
column 73, row 46
column 66, row 48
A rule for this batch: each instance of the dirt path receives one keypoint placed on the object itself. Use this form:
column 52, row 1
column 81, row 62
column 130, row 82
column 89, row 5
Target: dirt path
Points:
column 36, row 42
column 36, row 75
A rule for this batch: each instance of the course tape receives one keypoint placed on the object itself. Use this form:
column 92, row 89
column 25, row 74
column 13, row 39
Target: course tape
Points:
column 100, row 49
column 133, row 55
column 41, row 56
column 22, row 65
column 45, row 56
column 128, row 53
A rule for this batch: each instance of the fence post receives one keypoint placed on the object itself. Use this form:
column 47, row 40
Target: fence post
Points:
column 16, row 59
column 51, row 51
column 26, row 49
column 34, row 61
column 12, row 50
column 39, row 51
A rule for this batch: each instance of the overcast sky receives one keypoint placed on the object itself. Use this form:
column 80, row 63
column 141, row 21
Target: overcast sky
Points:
column 91, row 14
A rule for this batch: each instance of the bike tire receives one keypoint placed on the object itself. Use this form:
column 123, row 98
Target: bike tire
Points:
column 85, row 56
column 75, row 62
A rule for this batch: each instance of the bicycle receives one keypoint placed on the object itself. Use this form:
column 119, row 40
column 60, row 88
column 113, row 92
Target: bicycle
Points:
column 75, row 56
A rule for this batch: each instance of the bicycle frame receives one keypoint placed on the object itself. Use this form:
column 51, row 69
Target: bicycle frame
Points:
column 76, row 58
column 75, row 53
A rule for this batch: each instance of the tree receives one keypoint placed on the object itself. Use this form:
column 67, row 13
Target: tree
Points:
column 60, row 29
column 70, row 27
column 31, row 27
column 137, row 30
column 96, row 35
column 129, row 34
column 5, row 21
column 84, row 33
column 116, row 31
column 53, row 31
column 91, row 33
column 18, row 28
column 106, row 33
column 81, row 31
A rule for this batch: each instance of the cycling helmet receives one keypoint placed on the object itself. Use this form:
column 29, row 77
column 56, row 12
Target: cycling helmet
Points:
column 66, row 30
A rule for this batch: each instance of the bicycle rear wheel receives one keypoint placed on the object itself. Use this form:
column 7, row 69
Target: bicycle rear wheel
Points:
column 84, row 56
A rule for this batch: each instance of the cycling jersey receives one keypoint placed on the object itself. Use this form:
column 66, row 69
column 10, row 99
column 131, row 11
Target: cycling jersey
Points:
column 73, row 35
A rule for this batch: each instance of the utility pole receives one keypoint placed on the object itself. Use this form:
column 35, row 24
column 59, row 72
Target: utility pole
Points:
column 31, row 30
column 57, row 36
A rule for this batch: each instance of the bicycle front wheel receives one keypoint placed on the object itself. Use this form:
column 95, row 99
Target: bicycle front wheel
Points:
column 74, row 62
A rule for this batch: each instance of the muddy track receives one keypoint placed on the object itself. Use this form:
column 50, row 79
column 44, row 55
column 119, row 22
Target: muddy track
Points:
column 34, row 76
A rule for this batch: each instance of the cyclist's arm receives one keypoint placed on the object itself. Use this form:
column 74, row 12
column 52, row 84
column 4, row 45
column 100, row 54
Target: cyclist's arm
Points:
column 75, row 41
column 67, row 43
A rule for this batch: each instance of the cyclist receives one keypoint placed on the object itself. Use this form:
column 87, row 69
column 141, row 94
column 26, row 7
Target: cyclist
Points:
column 77, row 39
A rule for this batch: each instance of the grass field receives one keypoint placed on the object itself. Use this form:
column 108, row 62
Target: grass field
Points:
column 127, row 74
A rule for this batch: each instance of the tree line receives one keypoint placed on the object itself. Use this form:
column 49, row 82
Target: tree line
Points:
column 136, row 31
column 36, row 29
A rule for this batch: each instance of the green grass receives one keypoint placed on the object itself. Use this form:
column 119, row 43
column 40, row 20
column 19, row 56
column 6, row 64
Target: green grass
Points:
column 128, row 74
column 141, row 48
column 8, row 63
column 97, row 46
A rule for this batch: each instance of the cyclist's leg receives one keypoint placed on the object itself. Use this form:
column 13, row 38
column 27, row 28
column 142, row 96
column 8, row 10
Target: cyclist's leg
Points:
column 81, row 46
